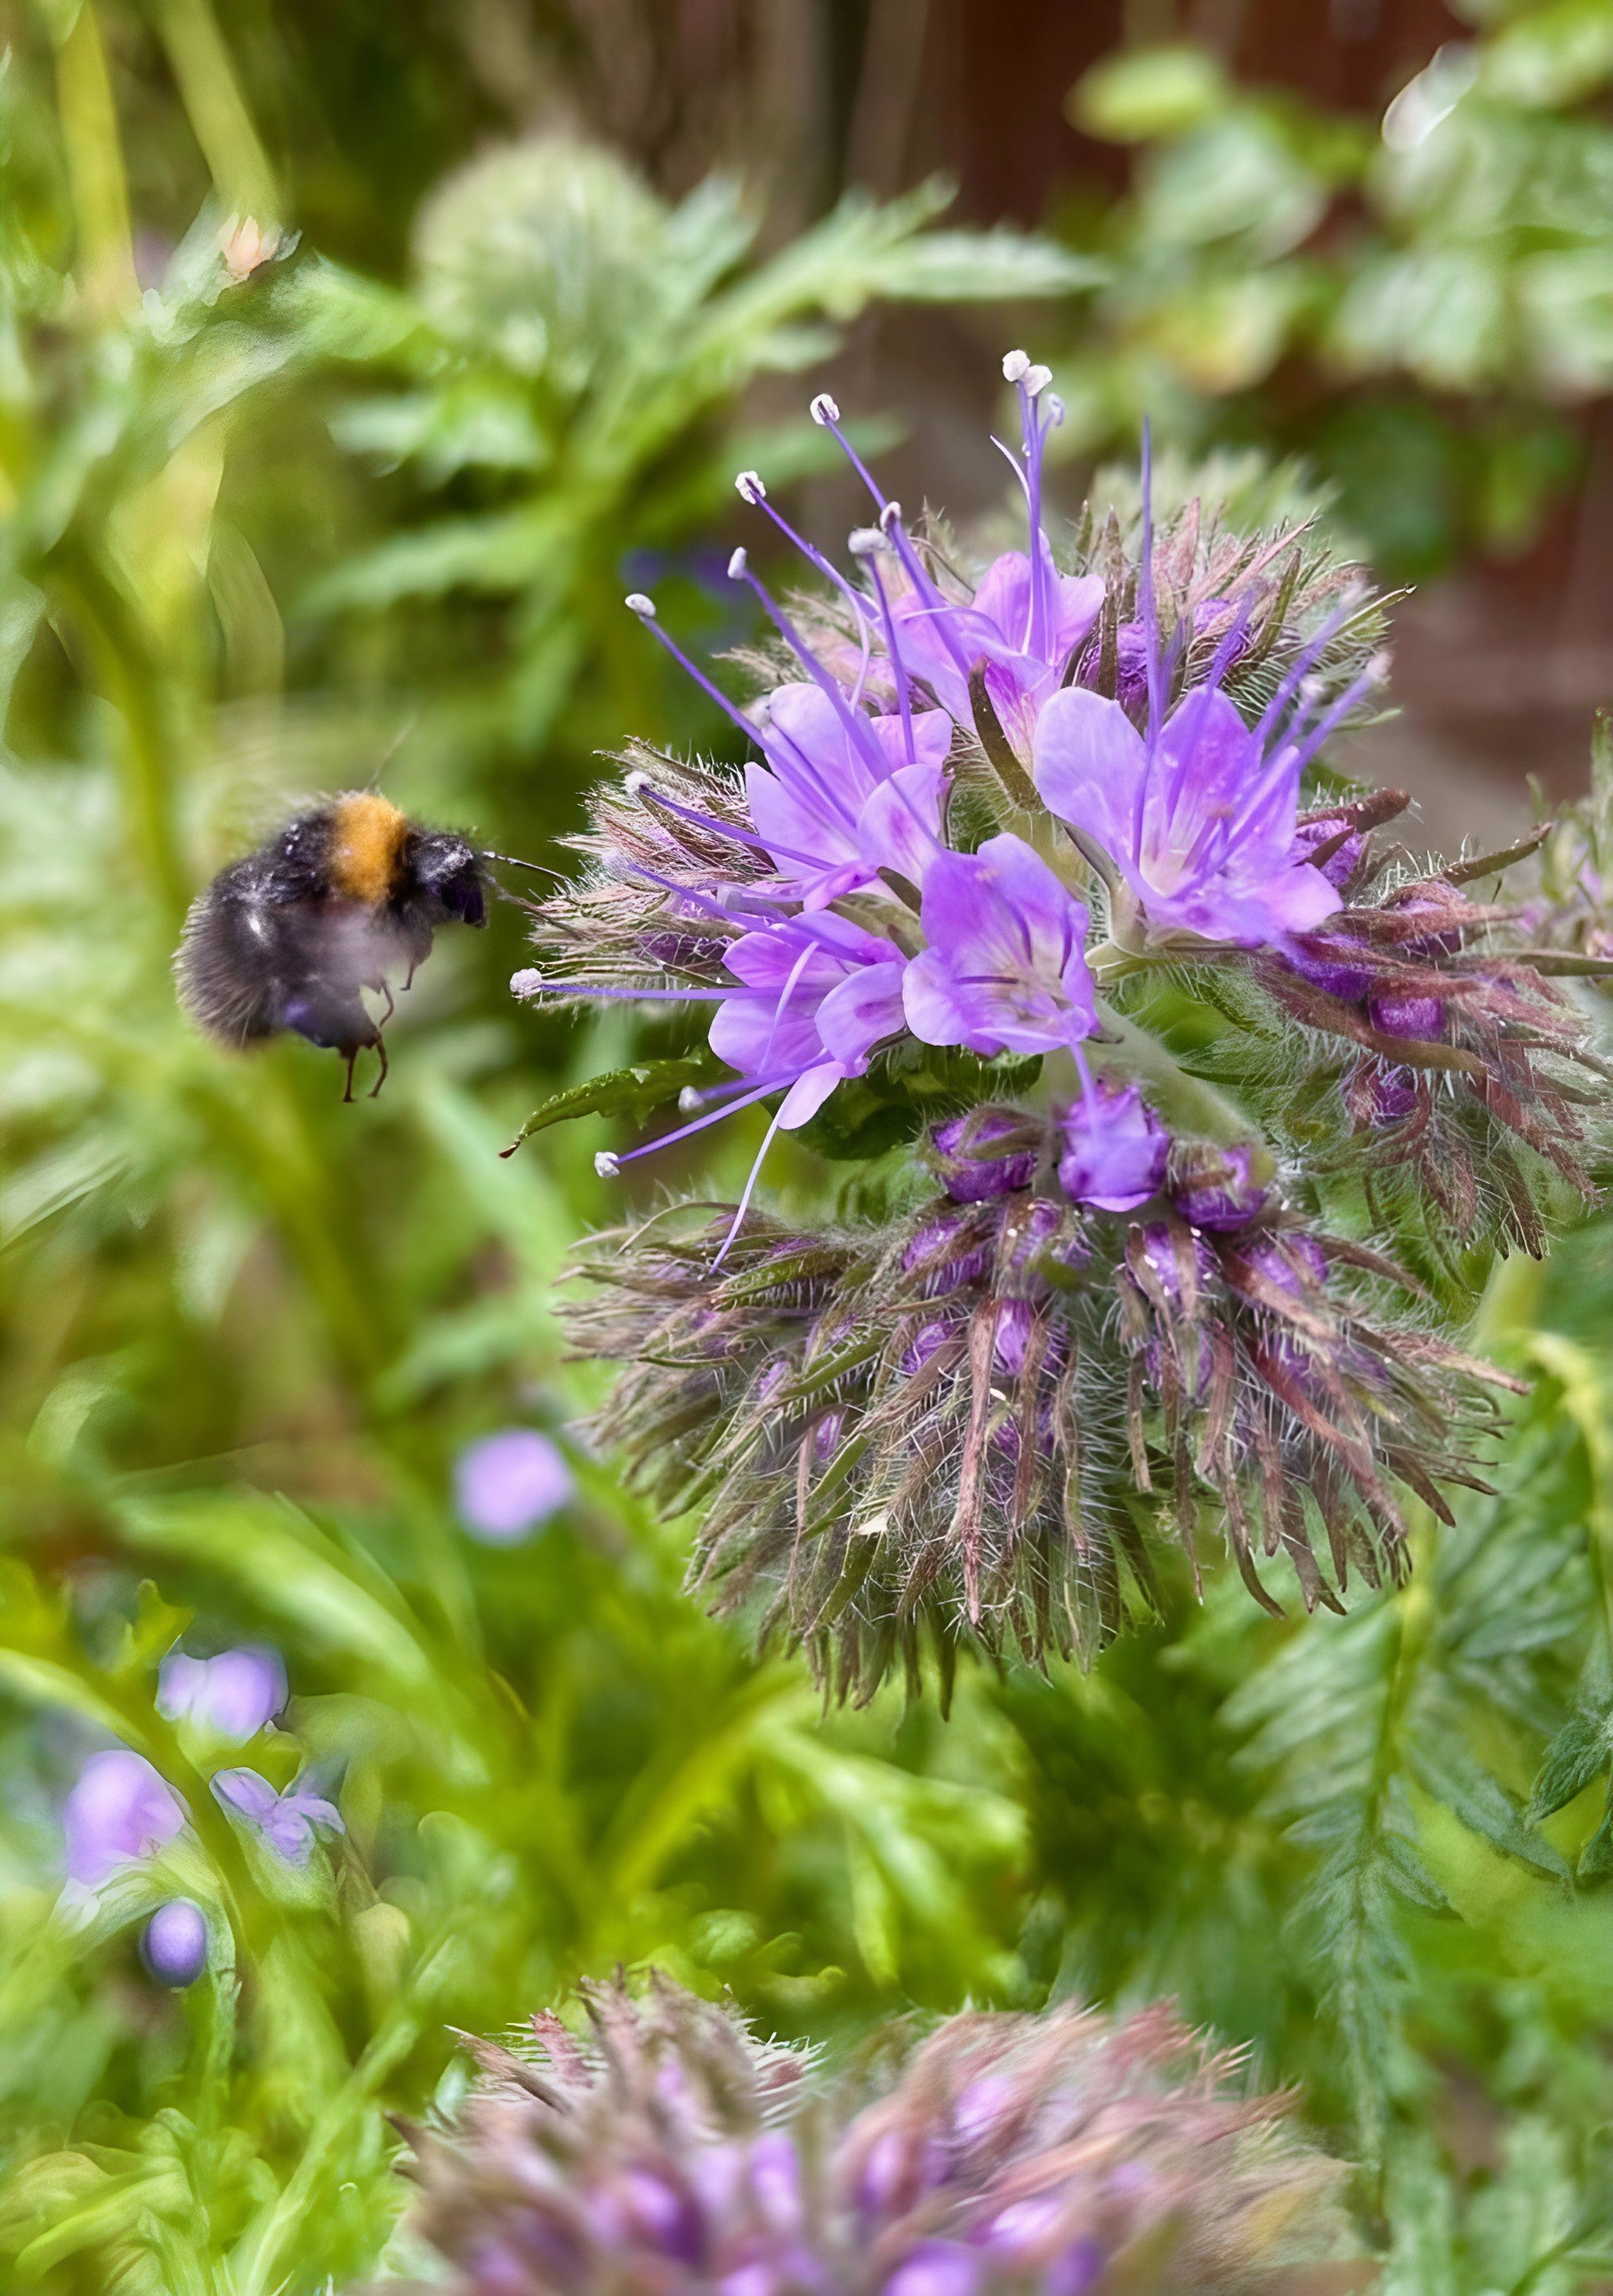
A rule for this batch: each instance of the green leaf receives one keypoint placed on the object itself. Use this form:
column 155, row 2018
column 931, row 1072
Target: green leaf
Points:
column 1148, row 92
column 635, row 1093
column 1579, row 1752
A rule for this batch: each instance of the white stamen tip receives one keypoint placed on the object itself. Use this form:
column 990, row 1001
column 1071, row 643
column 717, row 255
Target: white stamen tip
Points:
column 689, row 1101
column 1015, row 367
column 606, row 1165
column 823, row 409
column 890, row 516
column 526, row 983
column 1055, row 406
column 864, row 541
column 638, row 604
column 736, row 566
column 1036, row 380
column 636, row 782
column 749, row 487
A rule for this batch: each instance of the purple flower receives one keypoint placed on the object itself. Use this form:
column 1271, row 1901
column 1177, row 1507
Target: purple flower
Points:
column 1198, row 817
column 121, row 1810
column 509, row 1484
column 1218, row 1190
column 935, row 2267
column 1115, row 1148
column 174, row 1948
column 847, row 794
column 816, row 995
column 285, row 1821
column 985, row 1155
column 1419, row 1019
column 1005, row 968
column 233, row 1694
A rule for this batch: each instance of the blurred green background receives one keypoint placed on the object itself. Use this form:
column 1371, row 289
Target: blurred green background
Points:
column 354, row 359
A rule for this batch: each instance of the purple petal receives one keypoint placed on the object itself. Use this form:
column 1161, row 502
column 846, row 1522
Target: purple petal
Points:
column 1089, row 763
column 1005, row 968
column 862, row 1009
column 1115, row 1150
column 235, row 1693
column 120, row 1811
column 246, row 1791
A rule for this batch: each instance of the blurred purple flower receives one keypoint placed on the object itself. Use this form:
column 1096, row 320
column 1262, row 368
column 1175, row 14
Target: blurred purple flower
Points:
column 235, row 1693
column 508, row 1485
column 1005, row 968
column 120, row 1811
column 174, row 1948
column 286, row 1821
column 1115, row 1148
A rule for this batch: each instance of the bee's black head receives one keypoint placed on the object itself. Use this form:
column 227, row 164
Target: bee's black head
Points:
column 447, row 876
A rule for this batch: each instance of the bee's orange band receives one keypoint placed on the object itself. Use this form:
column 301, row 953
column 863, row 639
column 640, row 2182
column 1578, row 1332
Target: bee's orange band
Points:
column 365, row 846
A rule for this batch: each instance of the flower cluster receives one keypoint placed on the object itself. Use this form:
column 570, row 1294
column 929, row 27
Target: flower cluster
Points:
column 991, row 831
column 946, row 1422
column 121, row 1814
column 1069, row 2153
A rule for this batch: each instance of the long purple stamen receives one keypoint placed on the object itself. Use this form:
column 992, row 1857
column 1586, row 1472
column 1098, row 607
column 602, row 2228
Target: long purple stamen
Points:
column 749, row 487
column 853, row 721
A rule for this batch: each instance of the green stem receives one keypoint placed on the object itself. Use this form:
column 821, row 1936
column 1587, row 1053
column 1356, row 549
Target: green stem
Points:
column 217, row 109
column 95, row 166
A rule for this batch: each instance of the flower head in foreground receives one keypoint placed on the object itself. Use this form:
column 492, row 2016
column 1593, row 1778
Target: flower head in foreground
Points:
column 1261, row 1094
column 121, row 1812
column 1067, row 2154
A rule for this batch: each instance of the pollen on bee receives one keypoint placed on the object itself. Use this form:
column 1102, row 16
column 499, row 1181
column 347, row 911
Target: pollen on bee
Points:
column 367, row 836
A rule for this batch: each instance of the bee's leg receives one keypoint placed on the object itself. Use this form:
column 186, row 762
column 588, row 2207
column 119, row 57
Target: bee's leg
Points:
column 351, row 1057
column 390, row 1007
column 385, row 1064
column 409, row 978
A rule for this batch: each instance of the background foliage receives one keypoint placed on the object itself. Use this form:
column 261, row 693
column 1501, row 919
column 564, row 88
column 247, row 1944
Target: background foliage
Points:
column 275, row 513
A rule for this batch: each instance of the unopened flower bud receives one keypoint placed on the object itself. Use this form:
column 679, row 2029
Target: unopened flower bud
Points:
column 174, row 1946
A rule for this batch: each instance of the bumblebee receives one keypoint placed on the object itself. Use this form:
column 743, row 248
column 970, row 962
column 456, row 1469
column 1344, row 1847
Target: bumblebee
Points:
column 289, row 937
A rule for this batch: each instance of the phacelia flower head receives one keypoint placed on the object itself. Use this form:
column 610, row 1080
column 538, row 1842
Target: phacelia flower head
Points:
column 1067, row 2154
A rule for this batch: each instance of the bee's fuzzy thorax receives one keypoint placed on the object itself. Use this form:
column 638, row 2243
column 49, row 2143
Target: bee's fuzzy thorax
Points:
column 366, row 840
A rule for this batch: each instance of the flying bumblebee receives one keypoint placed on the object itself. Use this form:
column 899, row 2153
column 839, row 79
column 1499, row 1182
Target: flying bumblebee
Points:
column 289, row 936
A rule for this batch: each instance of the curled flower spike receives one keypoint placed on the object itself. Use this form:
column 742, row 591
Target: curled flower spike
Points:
column 933, row 1431
column 1069, row 2152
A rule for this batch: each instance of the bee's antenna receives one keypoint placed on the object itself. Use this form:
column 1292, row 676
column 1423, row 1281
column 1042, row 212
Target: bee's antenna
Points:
column 391, row 749
column 510, row 861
